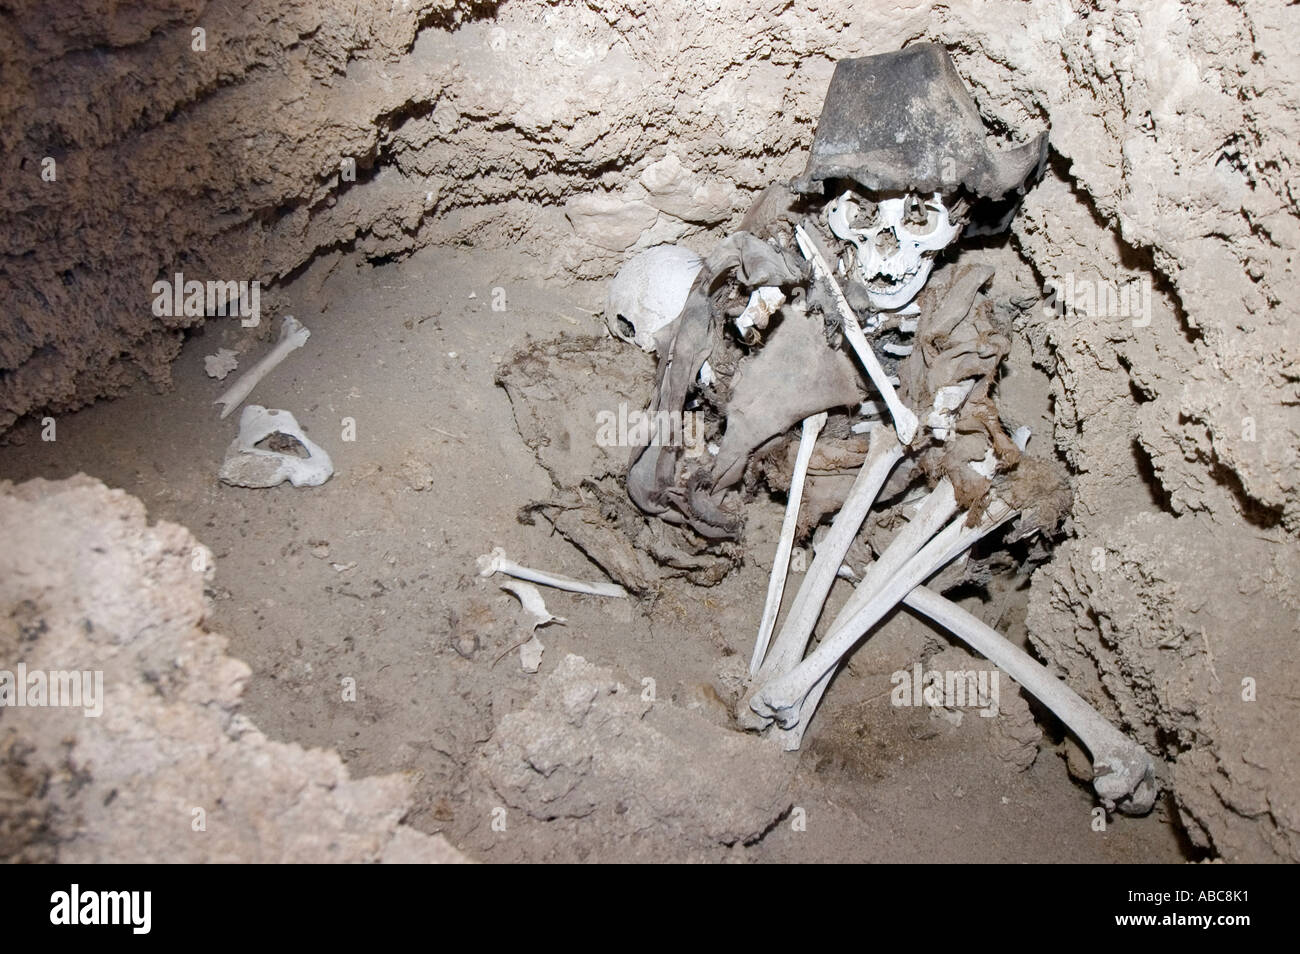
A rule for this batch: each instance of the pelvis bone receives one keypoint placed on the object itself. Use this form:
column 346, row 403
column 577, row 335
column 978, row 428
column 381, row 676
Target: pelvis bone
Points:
column 247, row 465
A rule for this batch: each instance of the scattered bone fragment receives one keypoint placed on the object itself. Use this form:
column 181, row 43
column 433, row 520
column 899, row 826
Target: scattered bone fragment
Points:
column 763, row 303
column 530, row 649
column 292, row 336
column 531, row 600
column 247, row 465
column 498, row 562
column 220, row 364
column 530, row 655
column 781, row 562
column 1123, row 772
column 942, row 417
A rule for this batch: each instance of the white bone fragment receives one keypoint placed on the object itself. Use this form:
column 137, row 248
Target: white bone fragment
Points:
column 904, row 420
column 942, row 417
column 530, row 652
column 987, row 466
column 531, row 600
column 897, row 350
column 498, row 562
column 292, row 336
column 1124, row 773
column 781, row 562
column 247, row 465
column 220, row 364
column 706, row 377
column 1020, row 437
column 530, row 655
column 763, row 303
column 792, row 641
column 783, row 698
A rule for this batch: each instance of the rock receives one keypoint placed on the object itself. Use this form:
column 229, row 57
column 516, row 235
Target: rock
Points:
column 1013, row 734
column 586, row 741
column 685, row 195
column 1168, row 639
column 220, row 364
column 610, row 221
column 169, row 772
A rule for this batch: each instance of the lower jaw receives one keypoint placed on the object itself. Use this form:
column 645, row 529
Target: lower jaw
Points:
column 896, row 296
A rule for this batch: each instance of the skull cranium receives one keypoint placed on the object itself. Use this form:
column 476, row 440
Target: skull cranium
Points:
column 896, row 238
column 647, row 294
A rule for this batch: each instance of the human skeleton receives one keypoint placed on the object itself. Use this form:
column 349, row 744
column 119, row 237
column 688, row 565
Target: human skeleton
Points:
column 753, row 335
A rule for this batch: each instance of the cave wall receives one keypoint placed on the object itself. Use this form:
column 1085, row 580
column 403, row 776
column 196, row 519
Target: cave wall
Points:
column 581, row 132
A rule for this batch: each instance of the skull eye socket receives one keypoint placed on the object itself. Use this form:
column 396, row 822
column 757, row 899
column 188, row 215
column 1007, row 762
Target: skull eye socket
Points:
column 866, row 214
column 920, row 217
column 625, row 326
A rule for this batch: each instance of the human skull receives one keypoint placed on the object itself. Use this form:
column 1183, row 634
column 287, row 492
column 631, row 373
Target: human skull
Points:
column 896, row 240
column 647, row 294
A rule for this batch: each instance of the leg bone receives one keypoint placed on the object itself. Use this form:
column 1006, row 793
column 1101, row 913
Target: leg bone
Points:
column 936, row 510
column 1125, row 773
column 790, row 644
column 783, row 698
column 292, row 336
column 781, row 562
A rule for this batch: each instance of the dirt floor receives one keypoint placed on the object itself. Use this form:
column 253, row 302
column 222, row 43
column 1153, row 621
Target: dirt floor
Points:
column 372, row 577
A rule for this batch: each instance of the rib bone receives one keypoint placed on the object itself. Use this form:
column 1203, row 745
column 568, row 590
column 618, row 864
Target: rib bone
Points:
column 498, row 562
column 1124, row 774
column 905, row 421
column 292, row 336
column 781, row 562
